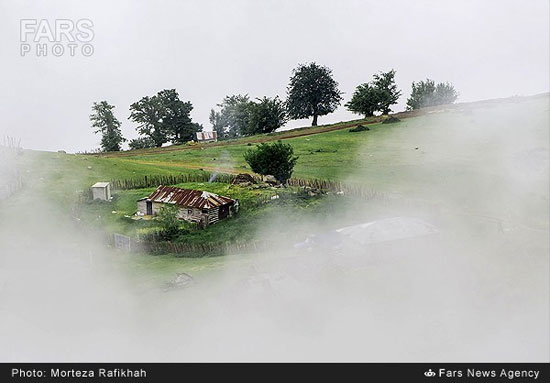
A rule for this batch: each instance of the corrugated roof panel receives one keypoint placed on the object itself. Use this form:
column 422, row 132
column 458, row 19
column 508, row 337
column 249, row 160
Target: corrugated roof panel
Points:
column 188, row 197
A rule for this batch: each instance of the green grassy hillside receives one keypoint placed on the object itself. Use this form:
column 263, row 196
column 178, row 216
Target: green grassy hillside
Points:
column 430, row 155
column 483, row 162
column 414, row 154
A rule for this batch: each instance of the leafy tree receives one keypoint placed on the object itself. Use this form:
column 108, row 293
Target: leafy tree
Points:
column 312, row 92
column 148, row 113
column 445, row 93
column 376, row 96
column 176, row 117
column 427, row 93
column 141, row 143
column 388, row 94
column 276, row 159
column 106, row 123
column 233, row 118
column 266, row 115
column 168, row 218
column 164, row 117
column 364, row 100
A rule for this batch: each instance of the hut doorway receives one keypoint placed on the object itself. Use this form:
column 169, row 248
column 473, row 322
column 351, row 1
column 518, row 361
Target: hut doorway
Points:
column 223, row 211
column 149, row 207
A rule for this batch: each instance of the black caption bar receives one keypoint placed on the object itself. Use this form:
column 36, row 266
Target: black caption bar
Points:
column 340, row 372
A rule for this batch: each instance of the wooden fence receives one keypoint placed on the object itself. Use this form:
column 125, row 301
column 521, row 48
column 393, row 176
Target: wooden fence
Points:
column 156, row 180
column 150, row 181
column 200, row 250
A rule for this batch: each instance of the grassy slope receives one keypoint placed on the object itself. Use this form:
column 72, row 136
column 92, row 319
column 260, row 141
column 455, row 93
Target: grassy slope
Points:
column 64, row 175
column 386, row 158
column 324, row 155
column 447, row 166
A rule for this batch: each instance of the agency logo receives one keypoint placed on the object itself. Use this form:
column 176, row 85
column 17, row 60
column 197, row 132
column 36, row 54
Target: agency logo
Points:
column 429, row 373
column 60, row 37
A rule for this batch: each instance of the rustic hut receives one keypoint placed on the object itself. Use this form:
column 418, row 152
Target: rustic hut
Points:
column 194, row 205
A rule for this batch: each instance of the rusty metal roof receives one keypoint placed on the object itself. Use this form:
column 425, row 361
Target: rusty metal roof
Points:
column 188, row 197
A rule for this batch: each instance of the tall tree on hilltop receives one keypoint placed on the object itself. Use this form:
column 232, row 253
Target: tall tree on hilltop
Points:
column 104, row 121
column 388, row 94
column 375, row 96
column 312, row 92
column 164, row 118
column 364, row 100
column 176, row 117
column 148, row 113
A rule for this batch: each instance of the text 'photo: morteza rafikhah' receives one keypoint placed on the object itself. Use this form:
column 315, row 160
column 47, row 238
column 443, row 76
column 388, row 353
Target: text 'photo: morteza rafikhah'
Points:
column 275, row 181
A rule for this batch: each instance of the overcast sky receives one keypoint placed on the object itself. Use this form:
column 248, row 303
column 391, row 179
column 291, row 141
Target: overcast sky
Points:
column 209, row 49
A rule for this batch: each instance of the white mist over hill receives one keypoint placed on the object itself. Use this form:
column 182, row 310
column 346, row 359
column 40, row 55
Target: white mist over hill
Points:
column 477, row 290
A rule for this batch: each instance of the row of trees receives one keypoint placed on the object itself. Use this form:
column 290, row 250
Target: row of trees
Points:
column 381, row 93
column 164, row 118
column 160, row 118
column 375, row 96
column 312, row 92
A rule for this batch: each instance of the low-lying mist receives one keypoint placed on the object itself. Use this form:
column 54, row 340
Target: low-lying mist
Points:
column 474, row 289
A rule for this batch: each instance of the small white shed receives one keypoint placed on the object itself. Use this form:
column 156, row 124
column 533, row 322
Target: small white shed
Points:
column 101, row 191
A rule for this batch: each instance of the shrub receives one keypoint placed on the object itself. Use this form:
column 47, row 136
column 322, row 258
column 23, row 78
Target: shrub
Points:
column 276, row 159
column 391, row 120
column 359, row 128
column 428, row 93
column 168, row 218
column 141, row 143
